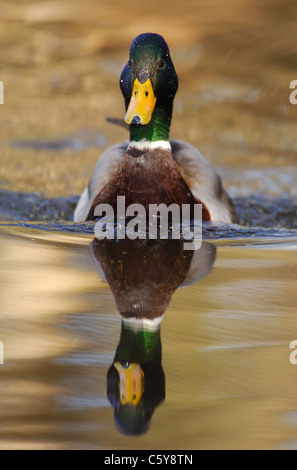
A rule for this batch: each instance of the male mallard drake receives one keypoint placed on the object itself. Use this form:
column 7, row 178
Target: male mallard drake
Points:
column 151, row 169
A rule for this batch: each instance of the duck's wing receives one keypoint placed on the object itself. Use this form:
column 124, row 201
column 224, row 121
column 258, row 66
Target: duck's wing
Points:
column 204, row 182
column 105, row 170
column 201, row 264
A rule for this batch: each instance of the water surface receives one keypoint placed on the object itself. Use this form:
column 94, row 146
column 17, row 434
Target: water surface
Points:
column 216, row 372
column 224, row 341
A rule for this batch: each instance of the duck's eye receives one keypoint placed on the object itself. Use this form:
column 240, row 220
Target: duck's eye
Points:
column 161, row 64
column 130, row 63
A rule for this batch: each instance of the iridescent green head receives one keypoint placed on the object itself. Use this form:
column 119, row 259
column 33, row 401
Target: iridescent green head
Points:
column 149, row 84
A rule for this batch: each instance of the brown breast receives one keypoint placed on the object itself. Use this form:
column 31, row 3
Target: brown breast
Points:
column 150, row 177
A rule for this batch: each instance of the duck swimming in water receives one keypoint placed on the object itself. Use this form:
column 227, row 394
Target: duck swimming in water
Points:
column 151, row 169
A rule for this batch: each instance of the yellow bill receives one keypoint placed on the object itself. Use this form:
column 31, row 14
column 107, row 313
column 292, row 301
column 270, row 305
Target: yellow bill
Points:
column 142, row 103
column 131, row 382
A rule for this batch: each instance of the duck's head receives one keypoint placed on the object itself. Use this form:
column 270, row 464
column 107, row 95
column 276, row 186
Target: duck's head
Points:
column 148, row 81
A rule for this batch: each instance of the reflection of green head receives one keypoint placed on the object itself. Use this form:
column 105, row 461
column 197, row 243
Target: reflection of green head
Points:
column 135, row 381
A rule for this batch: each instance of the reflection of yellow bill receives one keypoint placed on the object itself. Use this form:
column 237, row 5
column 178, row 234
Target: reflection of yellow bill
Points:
column 131, row 382
column 142, row 102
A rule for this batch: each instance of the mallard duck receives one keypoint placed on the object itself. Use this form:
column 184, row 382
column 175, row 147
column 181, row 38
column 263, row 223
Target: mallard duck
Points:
column 150, row 168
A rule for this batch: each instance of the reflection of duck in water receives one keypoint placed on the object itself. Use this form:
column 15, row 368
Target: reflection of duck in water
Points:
column 143, row 275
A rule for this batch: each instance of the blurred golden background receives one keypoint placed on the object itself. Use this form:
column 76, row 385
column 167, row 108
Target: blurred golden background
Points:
column 60, row 65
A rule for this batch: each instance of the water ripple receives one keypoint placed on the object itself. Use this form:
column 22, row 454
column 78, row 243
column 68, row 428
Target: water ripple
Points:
column 260, row 216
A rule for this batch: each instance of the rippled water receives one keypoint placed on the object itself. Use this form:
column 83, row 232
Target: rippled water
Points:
column 216, row 372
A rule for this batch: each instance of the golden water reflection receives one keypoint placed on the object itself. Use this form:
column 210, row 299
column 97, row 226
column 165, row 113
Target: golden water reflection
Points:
column 143, row 275
column 225, row 350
